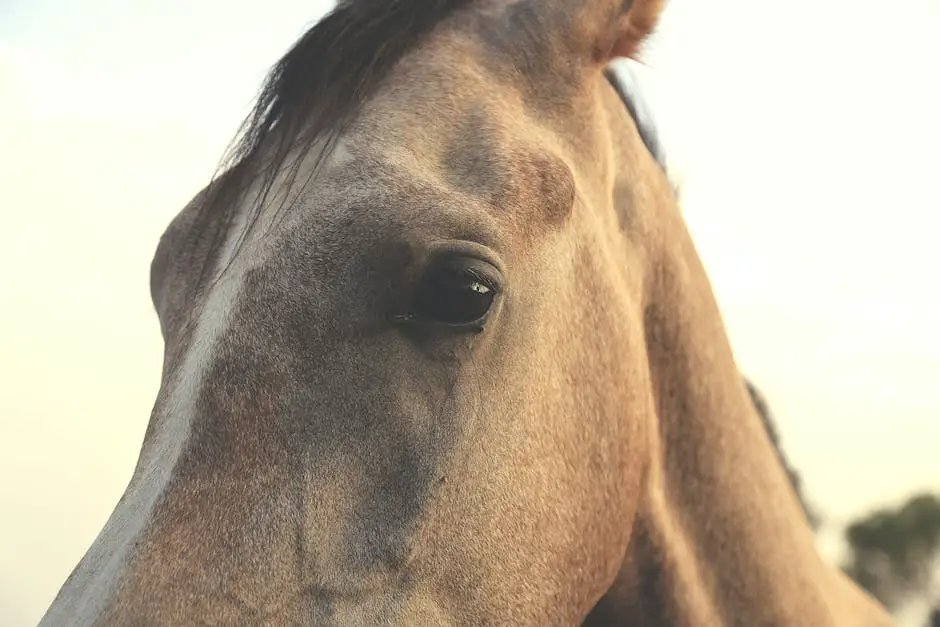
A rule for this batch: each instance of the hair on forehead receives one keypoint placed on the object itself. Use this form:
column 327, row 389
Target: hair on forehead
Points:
column 313, row 92
column 336, row 65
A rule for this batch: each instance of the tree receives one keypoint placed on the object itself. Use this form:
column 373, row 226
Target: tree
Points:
column 894, row 552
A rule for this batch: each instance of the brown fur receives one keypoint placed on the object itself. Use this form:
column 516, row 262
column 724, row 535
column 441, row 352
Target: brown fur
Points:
column 319, row 455
column 638, row 24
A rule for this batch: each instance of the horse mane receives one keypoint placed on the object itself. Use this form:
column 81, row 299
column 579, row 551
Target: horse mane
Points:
column 624, row 81
column 767, row 418
column 319, row 85
column 313, row 92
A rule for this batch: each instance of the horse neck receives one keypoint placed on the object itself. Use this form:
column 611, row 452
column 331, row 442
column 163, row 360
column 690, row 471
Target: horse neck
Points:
column 720, row 536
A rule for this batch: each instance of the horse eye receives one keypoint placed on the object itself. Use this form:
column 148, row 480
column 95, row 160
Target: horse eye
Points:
column 455, row 295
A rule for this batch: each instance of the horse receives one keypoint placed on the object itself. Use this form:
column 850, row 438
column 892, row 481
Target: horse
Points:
column 796, row 482
column 439, row 350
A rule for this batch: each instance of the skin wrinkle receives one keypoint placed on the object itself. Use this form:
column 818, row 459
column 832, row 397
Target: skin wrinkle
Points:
column 591, row 457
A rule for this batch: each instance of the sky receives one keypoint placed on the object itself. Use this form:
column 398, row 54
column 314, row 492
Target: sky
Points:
column 805, row 134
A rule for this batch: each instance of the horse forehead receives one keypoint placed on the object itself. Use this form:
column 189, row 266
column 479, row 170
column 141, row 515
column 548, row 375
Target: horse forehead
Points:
column 476, row 152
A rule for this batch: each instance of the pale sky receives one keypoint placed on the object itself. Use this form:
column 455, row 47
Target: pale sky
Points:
column 808, row 138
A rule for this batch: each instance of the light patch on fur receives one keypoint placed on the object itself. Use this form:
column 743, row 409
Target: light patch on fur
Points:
column 99, row 574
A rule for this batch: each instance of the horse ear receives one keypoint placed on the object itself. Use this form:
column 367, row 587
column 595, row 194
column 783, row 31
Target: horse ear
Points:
column 618, row 28
column 635, row 26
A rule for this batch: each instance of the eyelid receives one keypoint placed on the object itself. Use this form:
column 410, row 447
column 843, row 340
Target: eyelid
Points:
column 471, row 268
column 441, row 250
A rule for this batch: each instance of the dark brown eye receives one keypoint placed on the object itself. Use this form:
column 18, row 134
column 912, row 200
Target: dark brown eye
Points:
column 456, row 293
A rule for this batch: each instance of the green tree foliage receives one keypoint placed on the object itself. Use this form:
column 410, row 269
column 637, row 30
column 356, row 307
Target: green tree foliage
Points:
column 894, row 552
column 760, row 403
